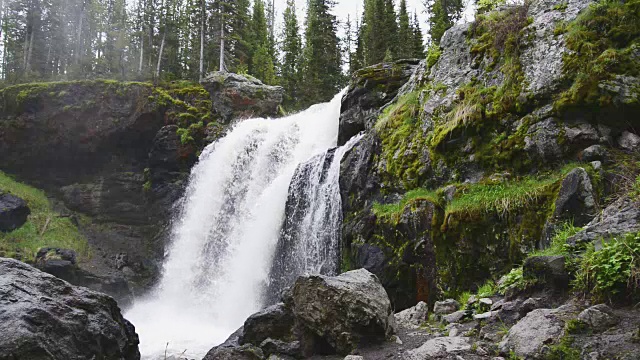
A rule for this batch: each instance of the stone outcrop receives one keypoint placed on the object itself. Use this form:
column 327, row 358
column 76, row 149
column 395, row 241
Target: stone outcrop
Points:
column 236, row 96
column 44, row 317
column 13, row 212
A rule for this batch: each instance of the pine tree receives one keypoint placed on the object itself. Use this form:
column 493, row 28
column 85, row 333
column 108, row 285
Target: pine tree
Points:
column 262, row 63
column 390, row 30
column 406, row 34
column 443, row 14
column 417, row 39
column 291, row 49
column 322, row 69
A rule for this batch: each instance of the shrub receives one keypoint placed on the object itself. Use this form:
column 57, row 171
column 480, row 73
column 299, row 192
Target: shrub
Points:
column 612, row 273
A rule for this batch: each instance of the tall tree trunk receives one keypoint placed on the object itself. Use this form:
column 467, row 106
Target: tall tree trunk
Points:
column 28, row 67
column 222, row 69
column 141, row 50
column 79, row 36
column 202, row 24
column 164, row 35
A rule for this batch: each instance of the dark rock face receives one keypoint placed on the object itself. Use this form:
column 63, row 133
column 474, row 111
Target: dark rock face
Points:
column 549, row 270
column 370, row 89
column 13, row 212
column 320, row 315
column 235, row 96
column 576, row 199
column 245, row 352
column 44, row 317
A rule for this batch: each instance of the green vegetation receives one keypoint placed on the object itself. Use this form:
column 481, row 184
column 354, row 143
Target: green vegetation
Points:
column 563, row 350
column 612, row 273
column 602, row 41
column 44, row 227
column 395, row 210
column 575, row 326
column 501, row 198
column 433, row 55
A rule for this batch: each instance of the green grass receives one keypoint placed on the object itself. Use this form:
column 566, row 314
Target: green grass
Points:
column 559, row 244
column 501, row 197
column 389, row 210
column 44, row 226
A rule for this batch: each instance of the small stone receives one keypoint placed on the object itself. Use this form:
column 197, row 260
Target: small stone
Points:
column 445, row 307
column 497, row 305
column 486, row 301
column 484, row 316
column 455, row 331
column 472, row 300
column 413, row 316
column 455, row 317
column 353, row 357
column 596, row 165
column 481, row 351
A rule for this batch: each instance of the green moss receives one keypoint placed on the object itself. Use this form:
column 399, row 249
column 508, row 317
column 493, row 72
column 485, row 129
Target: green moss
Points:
column 575, row 326
column 393, row 211
column 433, row 55
column 44, row 228
column 560, row 7
column 602, row 42
column 563, row 350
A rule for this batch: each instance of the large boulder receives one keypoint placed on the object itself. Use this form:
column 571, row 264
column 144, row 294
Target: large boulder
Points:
column 529, row 337
column 236, row 96
column 43, row 317
column 275, row 322
column 346, row 311
column 440, row 348
column 13, row 212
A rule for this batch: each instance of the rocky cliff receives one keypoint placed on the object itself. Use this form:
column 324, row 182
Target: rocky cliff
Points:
column 520, row 123
column 114, row 157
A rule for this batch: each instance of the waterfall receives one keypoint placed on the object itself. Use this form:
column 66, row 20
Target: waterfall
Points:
column 225, row 237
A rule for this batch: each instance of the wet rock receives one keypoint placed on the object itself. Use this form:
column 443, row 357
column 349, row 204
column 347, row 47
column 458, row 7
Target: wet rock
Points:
column 270, row 346
column 445, row 307
column 585, row 134
column 245, row 352
column 441, row 347
column 275, row 322
column 621, row 217
column 44, row 317
column 238, row 97
column 548, row 270
column 13, row 212
column 345, row 311
column 413, row 316
column 629, row 141
column 371, row 88
column 57, row 262
column 598, row 317
column 576, row 201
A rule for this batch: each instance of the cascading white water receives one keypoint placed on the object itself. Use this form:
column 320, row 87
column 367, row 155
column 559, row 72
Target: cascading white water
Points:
column 226, row 234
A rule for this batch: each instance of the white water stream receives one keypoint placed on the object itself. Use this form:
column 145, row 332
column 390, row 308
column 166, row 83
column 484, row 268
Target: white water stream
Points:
column 224, row 239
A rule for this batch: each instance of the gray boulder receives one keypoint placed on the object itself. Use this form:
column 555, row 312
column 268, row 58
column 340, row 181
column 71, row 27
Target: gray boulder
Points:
column 43, row 317
column 619, row 218
column 576, row 199
column 345, row 311
column 440, row 347
column 594, row 153
column 413, row 316
column 235, row 96
column 599, row 317
column 542, row 140
column 13, row 212
column 455, row 317
column 539, row 328
column 629, row 141
column 445, row 307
